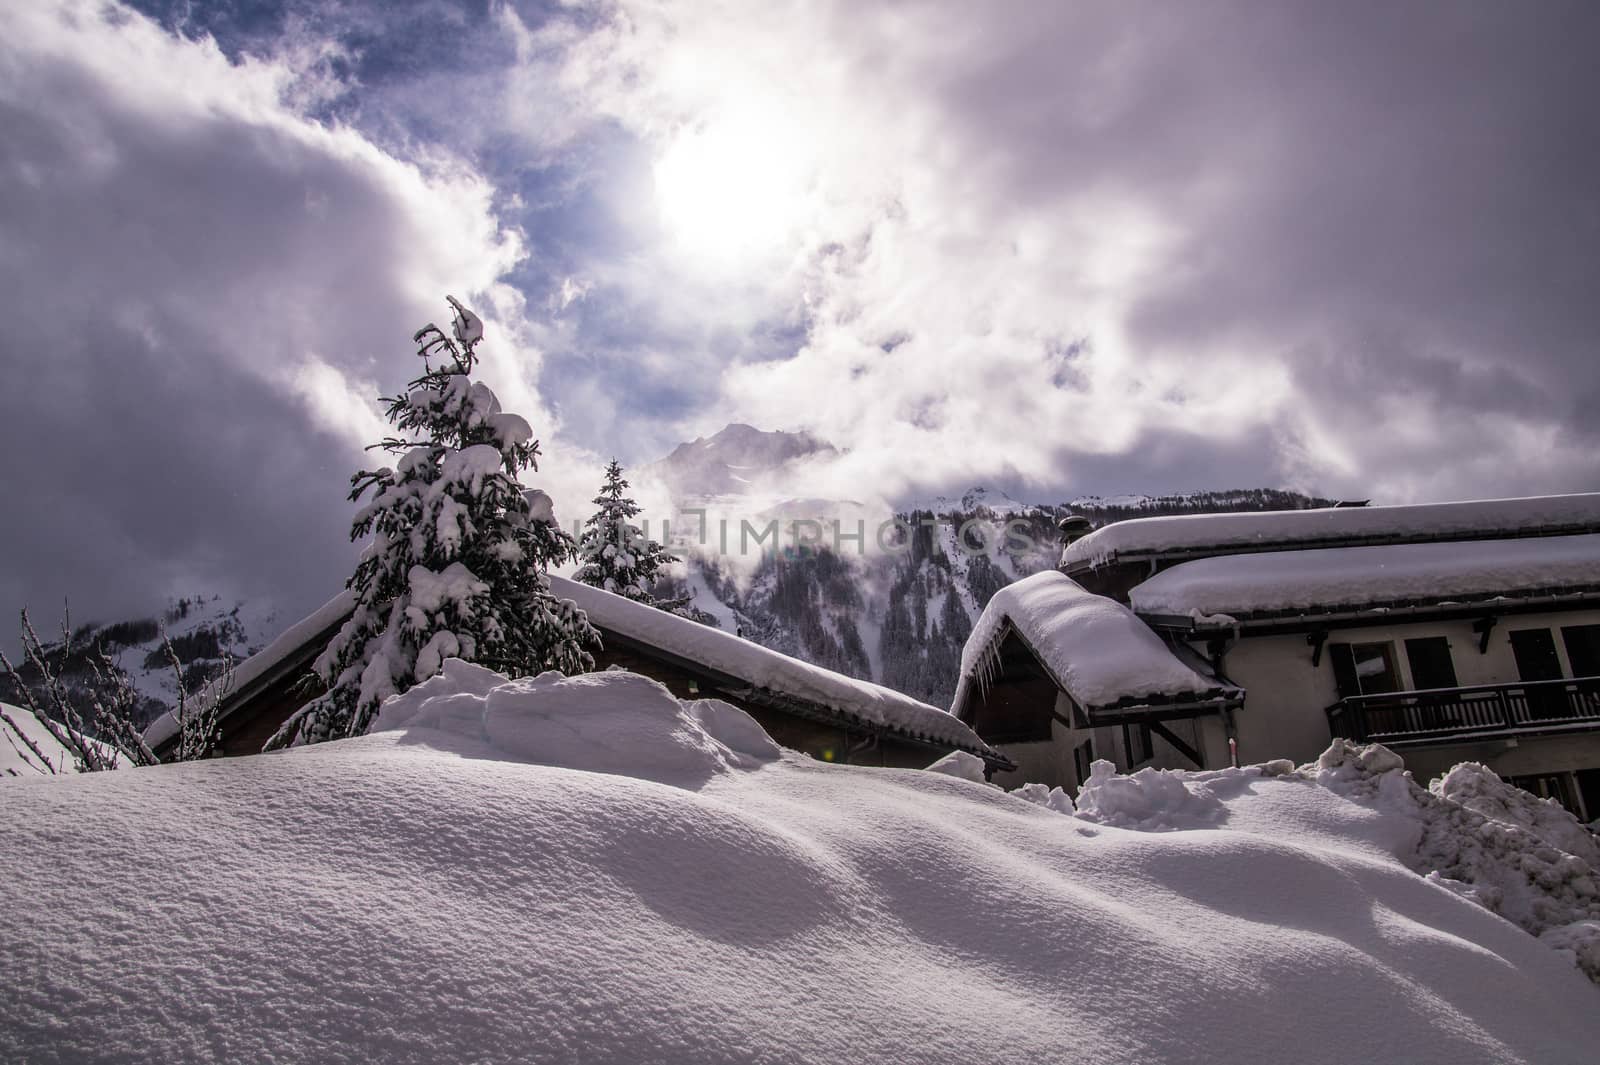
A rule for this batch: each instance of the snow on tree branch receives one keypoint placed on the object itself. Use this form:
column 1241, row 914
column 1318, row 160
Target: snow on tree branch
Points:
column 457, row 562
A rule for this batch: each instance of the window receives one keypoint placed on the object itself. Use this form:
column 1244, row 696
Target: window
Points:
column 1547, row 786
column 1375, row 667
column 1535, row 652
column 1431, row 667
column 1583, row 649
column 1082, row 759
column 1137, row 744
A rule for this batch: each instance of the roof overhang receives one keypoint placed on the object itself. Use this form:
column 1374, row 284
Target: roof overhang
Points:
column 1132, row 709
column 1393, row 612
column 1189, row 552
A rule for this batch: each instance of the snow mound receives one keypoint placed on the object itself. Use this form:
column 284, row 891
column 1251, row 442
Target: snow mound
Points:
column 445, row 891
column 1495, row 845
column 610, row 722
column 1055, row 799
column 1478, row 788
column 961, row 765
column 1150, row 800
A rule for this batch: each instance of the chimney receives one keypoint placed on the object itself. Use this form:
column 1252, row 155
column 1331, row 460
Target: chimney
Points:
column 1074, row 527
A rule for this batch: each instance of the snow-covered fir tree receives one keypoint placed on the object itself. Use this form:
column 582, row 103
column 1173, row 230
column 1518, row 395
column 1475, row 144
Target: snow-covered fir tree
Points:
column 458, row 559
column 616, row 555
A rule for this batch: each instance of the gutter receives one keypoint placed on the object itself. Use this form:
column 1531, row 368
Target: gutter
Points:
column 1264, row 623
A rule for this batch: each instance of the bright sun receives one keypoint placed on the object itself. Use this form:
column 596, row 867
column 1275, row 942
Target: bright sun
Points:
column 732, row 188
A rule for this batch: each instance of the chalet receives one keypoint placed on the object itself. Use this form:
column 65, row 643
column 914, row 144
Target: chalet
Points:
column 1449, row 632
column 804, row 707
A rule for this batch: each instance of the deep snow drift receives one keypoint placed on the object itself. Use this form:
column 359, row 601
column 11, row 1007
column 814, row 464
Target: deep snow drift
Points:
column 670, row 887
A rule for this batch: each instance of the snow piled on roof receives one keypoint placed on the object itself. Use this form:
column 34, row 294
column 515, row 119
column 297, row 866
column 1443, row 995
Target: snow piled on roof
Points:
column 492, row 882
column 761, row 667
column 1438, row 521
column 1335, row 577
column 1096, row 648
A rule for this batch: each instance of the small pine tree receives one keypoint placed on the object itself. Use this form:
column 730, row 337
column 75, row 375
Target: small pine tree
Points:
column 615, row 554
column 458, row 559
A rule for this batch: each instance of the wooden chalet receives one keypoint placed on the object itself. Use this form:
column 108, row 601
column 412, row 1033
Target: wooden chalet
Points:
column 804, row 707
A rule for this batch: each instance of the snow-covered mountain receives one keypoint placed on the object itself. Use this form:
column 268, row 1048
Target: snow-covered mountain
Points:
column 734, row 461
column 206, row 631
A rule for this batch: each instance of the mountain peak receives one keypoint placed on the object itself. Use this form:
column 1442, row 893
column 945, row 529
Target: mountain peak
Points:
column 733, row 459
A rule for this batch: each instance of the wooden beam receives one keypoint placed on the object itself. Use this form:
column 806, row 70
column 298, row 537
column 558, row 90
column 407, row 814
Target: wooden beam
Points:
column 1181, row 747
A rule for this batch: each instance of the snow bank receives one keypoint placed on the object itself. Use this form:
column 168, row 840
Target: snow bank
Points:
column 1259, row 531
column 1096, row 648
column 429, row 894
column 611, row 722
column 1329, row 578
column 1478, row 788
column 1495, row 845
column 1149, row 800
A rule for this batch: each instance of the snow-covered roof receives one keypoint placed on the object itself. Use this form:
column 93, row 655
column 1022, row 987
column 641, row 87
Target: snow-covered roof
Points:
column 764, row 670
column 1096, row 649
column 264, row 663
column 769, row 671
column 1203, row 534
column 1346, row 579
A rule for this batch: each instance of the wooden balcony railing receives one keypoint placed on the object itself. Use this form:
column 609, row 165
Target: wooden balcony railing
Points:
column 1490, row 709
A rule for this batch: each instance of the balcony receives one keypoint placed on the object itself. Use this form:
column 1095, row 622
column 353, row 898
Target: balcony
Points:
column 1485, row 711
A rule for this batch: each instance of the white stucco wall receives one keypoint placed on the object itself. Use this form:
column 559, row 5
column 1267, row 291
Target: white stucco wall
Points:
column 1287, row 698
column 1285, row 711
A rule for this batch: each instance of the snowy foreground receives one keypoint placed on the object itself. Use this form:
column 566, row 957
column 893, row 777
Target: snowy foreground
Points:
column 587, row 870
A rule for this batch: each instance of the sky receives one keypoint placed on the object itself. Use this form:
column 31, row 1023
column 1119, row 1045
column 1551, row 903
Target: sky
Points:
column 1054, row 248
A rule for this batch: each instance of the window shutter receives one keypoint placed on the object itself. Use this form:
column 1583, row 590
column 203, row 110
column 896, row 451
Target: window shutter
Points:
column 1344, row 670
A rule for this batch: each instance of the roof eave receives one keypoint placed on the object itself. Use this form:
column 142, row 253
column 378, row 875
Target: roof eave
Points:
column 1115, row 557
column 1372, row 613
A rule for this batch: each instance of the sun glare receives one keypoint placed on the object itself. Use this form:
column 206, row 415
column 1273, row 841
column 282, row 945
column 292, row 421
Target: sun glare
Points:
column 731, row 189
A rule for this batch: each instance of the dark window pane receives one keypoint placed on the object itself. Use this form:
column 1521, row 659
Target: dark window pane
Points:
column 1344, row 670
column 1375, row 670
column 1082, row 758
column 1431, row 666
column 1535, row 651
column 1547, row 786
column 1583, row 649
column 1589, row 788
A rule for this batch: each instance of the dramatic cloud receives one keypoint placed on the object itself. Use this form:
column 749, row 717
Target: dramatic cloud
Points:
column 1353, row 242
column 1056, row 248
column 202, row 291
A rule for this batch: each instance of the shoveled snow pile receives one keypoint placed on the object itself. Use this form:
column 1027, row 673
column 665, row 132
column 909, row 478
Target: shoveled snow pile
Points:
column 588, row 870
column 1478, row 788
